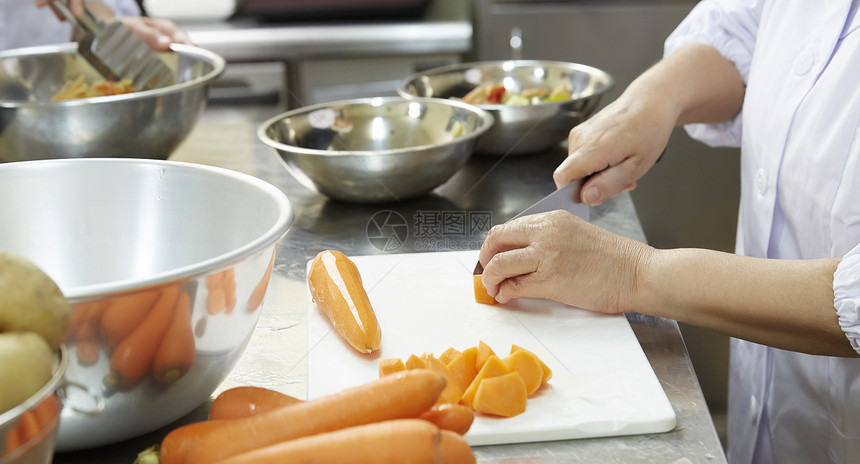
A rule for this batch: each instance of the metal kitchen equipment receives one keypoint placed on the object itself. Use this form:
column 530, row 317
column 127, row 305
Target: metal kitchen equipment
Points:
column 115, row 51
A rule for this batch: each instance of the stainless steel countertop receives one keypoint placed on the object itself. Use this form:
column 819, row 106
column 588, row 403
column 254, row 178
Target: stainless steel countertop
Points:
column 275, row 357
column 446, row 27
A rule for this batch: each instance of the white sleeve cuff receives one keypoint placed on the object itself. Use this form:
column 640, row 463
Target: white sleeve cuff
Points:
column 846, row 296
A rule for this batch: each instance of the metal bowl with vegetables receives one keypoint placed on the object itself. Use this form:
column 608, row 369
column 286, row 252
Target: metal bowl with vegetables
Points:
column 165, row 265
column 535, row 104
column 53, row 104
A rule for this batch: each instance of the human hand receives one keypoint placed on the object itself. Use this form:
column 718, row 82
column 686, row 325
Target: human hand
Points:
column 618, row 145
column 156, row 32
column 561, row 257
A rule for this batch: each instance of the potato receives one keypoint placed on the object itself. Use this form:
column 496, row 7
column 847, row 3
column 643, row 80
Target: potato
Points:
column 31, row 301
column 26, row 362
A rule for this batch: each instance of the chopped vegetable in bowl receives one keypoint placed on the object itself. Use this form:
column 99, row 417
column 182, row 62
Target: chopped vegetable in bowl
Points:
column 498, row 94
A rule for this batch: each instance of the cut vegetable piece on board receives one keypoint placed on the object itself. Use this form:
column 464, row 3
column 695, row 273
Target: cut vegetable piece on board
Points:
column 494, row 367
column 481, row 295
column 463, row 367
column 484, row 353
column 336, row 287
column 547, row 372
column 388, row 366
column 528, row 366
column 448, row 355
column 504, row 395
column 414, row 362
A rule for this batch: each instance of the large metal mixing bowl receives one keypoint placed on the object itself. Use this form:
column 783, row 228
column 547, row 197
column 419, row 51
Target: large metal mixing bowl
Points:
column 518, row 129
column 148, row 124
column 165, row 264
column 376, row 149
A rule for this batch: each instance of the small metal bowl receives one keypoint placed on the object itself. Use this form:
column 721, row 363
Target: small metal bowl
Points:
column 147, row 124
column 376, row 149
column 45, row 406
column 133, row 238
column 518, row 129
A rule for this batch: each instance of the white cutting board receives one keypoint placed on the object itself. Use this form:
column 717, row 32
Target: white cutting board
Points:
column 602, row 384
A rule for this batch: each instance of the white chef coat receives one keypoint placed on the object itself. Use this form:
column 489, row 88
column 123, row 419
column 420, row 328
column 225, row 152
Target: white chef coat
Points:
column 22, row 24
column 799, row 133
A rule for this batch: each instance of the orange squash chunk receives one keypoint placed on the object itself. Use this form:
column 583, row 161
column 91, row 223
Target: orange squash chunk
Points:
column 484, row 352
column 481, row 295
column 494, row 367
column 452, row 392
column 463, row 369
column 390, row 365
column 504, row 395
column 547, row 372
column 414, row 362
column 448, row 355
column 528, row 366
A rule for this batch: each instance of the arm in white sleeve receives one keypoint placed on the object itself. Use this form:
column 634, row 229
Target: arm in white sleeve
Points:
column 846, row 296
column 122, row 7
column 729, row 26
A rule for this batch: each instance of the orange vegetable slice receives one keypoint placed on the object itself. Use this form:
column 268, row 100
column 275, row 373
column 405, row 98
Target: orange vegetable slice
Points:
column 547, row 372
column 389, row 366
column 484, row 353
column 494, row 367
column 463, row 367
column 528, row 366
column 481, row 295
column 414, row 362
column 503, row 395
column 448, row 355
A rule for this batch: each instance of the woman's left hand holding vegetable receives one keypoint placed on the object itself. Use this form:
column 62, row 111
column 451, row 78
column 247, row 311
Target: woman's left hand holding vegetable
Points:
column 561, row 257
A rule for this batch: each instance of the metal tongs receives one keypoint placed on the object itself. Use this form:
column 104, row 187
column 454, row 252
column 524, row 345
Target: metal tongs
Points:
column 115, row 51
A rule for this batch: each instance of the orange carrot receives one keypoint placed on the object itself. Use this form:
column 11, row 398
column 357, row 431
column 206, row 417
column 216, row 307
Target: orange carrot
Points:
column 125, row 313
column 454, row 417
column 47, row 411
column 87, row 351
column 178, row 441
column 336, row 287
column 176, row 352
column 481, row 295
column 256, row 298
column 455, row 449
column 239, row 402
column 215, row 300
column 388, row 442
column 13, row 440
column 133, row 356
column 402, row 395
column 28, row 427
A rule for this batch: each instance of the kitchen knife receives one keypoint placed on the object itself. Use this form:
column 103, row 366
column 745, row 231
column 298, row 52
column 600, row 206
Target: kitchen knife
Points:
column 566, row 198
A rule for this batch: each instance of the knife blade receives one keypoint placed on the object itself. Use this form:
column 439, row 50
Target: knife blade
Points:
column 566, row 198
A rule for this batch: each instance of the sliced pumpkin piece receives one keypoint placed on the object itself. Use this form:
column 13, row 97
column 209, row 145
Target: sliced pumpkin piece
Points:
column 504, row 395
column 493, row 367
column 484, row 352
column 528, row 366
column 448, row 355
column 547, row 372
column 414, row 362
column 390, row 365
column 481, row 295
column 463, row 369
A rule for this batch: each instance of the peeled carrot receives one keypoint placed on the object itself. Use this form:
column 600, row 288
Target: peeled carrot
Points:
column 13, row 440
column 133, row 357
column 336, row 287
column 246, row 401
column 481, row 295
column 388, row 442
column 125, row 313
column 47, row 411
column 402, row 395
column 178, row 441
column 29, row 427
column 256, row 298
column 454, row 449
column 454, row 417
column 176, row 353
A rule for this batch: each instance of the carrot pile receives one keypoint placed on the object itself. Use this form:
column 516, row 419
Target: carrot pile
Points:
column 390, row 420
column 479, row 379
column 33, row 426
column 144, row 333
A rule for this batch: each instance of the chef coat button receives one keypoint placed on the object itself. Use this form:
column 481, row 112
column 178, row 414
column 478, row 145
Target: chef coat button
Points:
column 804, row 62
column 761, row 181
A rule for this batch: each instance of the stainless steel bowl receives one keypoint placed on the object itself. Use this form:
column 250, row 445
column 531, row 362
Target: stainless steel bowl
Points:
column 128, row 237
column 376, row 149
column 148, row 124
column 518, row 129
column 18, row 444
